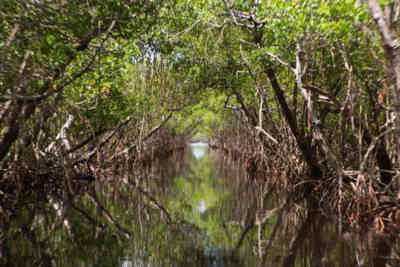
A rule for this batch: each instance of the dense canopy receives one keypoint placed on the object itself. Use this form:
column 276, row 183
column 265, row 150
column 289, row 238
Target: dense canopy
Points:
column 305, row 91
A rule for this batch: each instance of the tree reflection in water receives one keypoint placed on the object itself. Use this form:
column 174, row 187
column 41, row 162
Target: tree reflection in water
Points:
column 185, row 211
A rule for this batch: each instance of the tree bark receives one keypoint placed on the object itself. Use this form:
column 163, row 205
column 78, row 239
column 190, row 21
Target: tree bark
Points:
column 391, row 45
column 305, row 147
column 10, row 131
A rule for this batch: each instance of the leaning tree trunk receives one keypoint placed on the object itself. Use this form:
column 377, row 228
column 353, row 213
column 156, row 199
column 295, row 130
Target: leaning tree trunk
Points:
column 385, row 21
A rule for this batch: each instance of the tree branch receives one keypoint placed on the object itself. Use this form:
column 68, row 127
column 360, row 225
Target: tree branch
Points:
column 389, row 38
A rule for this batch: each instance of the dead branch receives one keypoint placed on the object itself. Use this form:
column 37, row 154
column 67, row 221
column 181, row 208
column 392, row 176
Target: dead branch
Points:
column 128, row 234
column 147, row 136
column 62, row 135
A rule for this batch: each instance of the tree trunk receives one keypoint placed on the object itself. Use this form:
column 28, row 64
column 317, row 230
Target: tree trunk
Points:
column 391, row 45
column 305, row 147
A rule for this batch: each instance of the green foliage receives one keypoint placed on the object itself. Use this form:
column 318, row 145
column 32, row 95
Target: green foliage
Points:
column 63, row 47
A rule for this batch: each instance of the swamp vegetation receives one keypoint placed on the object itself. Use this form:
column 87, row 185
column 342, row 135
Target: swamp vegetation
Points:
column 298, row 102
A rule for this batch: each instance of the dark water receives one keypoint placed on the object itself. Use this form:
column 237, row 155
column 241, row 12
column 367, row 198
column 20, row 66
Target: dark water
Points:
column 193, row 210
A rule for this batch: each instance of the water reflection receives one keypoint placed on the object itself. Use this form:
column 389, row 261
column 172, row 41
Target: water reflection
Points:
column 191, row 210
column 202, row 206
column 198, row 149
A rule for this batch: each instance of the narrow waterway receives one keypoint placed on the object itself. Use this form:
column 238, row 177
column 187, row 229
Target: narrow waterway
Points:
column 230, row 220
column 227, row 219
column 195, row 209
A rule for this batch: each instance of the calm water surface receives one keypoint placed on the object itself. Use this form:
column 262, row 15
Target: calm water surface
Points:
column 194, row 210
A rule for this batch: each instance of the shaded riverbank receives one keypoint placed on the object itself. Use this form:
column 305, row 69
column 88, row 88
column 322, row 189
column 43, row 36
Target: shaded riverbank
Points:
column 194, row 209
